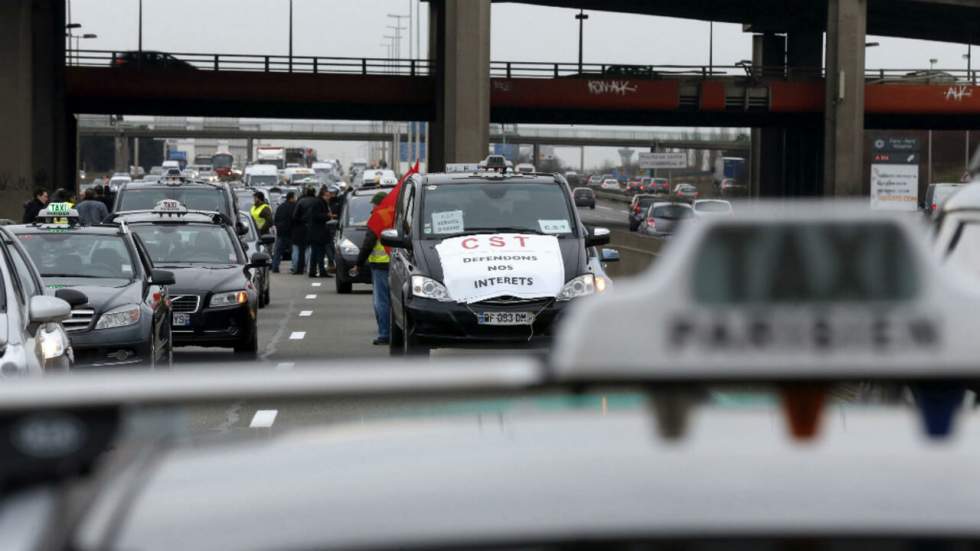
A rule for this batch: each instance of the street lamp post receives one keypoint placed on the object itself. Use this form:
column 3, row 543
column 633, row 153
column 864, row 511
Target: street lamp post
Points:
column 581, row 16
column 71, row 36
column 968, row 56
column 932, row 64
column 711, row 47
column 290, row 36
column 141, row 32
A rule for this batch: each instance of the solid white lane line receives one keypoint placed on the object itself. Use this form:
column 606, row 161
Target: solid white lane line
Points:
column 317, row 284
column 285, row 365
column 310, row 297
column 306, row 313
column 263, row 419
column 297, row 335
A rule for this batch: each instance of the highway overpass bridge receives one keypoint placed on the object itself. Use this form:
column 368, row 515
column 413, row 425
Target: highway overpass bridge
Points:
column 372, row 131
column 807, row 95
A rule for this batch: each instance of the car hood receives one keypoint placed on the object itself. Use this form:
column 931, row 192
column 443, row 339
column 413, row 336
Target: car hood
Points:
column 428, row 263
column 108, row 294
column 201, row 279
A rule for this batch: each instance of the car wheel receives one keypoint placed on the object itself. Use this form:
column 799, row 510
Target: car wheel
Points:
column 153, row 351
column 267, row 294
column 396, row 344
column 592, row 206
column 248, row 349
column 634, row 227
column 344, row 287
column 170, row 347
column 412, row 345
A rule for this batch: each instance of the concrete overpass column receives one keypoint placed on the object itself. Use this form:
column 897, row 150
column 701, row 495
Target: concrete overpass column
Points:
column 459, row 37
column 769, row 51
column 36, row 146
column 122, row 154
column 844, row 113
column 803, row 161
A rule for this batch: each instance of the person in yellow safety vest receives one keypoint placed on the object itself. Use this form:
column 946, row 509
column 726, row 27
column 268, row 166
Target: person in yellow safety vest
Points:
column 375, row 255
column 261, row 212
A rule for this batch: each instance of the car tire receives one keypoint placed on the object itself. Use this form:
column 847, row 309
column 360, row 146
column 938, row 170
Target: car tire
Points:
column 248, row 349
column 592, row 207
column 634, row 227
column 343, row 287
column 396, row 342
column 412, row 346
column 267, row 294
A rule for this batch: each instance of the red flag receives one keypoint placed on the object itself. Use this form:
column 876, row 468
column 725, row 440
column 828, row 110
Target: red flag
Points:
column 383, row 215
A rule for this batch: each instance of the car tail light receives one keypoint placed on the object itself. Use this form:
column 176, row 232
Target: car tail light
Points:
column 120, row 61
column 636, row 209
column 933, row 206
column 651, row 223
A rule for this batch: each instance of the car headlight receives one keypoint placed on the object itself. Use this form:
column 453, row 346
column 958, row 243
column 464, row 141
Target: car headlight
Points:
column 426, row 287
column 232, row 298
column 52, row 344
column 582, row 286
column 347, row 247
column 119, row 317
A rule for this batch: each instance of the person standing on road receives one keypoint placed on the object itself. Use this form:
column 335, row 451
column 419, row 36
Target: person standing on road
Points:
column 316, row 227
column 299, row 232
column 261, row 212
column 284, row 227
column 91, row 211
column 35, row 205
column 334, row 207
column 376, row 256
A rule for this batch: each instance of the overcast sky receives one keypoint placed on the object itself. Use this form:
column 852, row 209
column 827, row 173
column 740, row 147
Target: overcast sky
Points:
column 355, row 28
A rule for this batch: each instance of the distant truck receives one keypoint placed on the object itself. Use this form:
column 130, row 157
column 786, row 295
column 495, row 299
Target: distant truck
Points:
column 731, row 171
column 275, row 156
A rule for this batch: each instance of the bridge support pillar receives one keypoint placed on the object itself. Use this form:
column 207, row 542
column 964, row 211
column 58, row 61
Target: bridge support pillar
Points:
column 788, row 162
column 459, row 39
column 37, row 149
column 844, row 111
column 121, row 163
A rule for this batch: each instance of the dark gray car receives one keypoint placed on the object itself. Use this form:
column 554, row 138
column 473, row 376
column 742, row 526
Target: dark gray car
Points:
column 662, row 220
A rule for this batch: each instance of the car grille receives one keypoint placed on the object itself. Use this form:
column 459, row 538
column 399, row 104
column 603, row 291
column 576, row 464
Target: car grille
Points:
column 186, row 303
column 80, row 320
column 510, row 301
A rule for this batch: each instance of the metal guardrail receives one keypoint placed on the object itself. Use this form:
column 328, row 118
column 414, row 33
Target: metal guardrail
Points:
column 253, row 63
column 498, row 69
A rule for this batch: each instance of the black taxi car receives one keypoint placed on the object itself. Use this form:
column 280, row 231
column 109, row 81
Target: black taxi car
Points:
column 351, row 228
column 486, row 258
column 192, row 194
column 214, row 301
column 126, row 319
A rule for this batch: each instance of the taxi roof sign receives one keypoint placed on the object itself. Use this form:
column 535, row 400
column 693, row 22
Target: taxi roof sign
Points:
column 58, row 209
column 170, row 206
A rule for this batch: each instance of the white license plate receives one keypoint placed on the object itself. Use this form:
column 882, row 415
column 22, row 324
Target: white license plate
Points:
column 181, row 319
column 505, row 318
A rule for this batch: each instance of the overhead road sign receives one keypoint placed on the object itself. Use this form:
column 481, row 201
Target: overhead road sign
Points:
column 663, row 160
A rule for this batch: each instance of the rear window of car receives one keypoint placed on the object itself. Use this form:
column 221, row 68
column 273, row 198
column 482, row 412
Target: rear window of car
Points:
column 583, row 193
column 686, row 187
column 712, row 206
column 194, row 198
column 645, row 202
column 672, row 212
column 804, row 263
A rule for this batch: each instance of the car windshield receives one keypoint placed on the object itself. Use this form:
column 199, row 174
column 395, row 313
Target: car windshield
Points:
column 358, row 211
column 187, row 244
column 194, row 198
column 65, row 254
column 793, row 264
column 256, row 180
column 672, row 212
column 495, row 206
column 712, row 206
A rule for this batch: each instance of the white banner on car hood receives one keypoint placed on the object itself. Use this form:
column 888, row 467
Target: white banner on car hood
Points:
column 481, row 267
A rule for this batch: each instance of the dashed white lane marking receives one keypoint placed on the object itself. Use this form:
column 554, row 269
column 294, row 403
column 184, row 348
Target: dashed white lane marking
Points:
column 306, row 313
column 317, row 284
column 263, row 419
column 285, row 365
column 297, row 335
column 604, row 207
column 310, row 297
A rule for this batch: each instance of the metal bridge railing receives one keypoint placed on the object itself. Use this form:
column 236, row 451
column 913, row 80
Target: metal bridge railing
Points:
column 241, row 62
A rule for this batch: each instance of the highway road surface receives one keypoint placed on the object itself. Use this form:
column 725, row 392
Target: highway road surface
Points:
column 308, row 321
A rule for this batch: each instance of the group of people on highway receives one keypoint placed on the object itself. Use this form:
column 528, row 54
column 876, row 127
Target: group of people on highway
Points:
column 95, row 206
column 303, row 233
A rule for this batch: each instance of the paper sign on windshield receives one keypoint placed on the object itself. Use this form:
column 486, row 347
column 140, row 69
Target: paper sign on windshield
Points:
column 555, row 226
column 481, row 267
column 447, row 222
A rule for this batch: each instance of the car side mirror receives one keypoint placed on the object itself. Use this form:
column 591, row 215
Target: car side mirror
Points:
column 597, row 237
column 260, row 260
column 45, row 309
column 163, row 277
column 610, row 255
column 240, row 229
column 73, row 297
column 332, row 224
column 391, row 238
column 267, row 240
